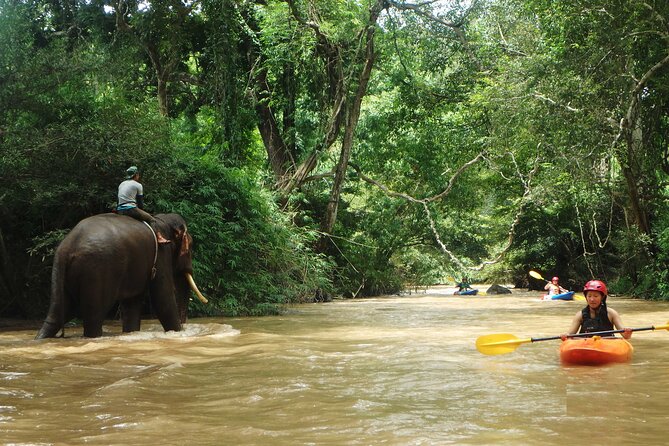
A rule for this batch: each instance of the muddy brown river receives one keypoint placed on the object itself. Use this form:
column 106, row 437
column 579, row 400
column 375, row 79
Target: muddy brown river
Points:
column 384, row 371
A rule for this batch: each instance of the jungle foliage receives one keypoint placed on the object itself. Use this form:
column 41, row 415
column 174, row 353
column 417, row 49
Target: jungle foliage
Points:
column 342, row 147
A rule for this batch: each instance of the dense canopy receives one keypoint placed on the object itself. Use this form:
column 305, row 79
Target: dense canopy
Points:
column 342, row 147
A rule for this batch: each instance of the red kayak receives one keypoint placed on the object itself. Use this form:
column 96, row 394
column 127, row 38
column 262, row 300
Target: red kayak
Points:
column 595, row 351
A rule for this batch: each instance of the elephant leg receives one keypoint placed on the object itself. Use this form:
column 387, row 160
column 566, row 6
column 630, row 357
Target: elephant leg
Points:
column 131, row 313
column 93, row 318
column 167, row 313
column 95, row 303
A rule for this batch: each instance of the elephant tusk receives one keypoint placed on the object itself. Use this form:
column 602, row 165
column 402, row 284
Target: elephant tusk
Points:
column 193, row 287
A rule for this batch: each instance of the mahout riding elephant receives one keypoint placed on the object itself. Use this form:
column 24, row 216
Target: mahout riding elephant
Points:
column 111, row 258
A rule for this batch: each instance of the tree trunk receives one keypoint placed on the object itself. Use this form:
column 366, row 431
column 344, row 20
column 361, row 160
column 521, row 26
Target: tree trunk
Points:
column 627, row 160
column 352, row 118
column 280, row 158
column 163, row 106
column 345, row 154
column 630, row 129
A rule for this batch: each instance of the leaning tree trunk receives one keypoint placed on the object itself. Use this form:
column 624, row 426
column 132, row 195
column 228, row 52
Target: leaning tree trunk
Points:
column 278, row 153
column 352, row 118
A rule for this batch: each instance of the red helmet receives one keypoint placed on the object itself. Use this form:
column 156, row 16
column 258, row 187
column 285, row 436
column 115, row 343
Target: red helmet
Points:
column 596, row 285
column 555, row 278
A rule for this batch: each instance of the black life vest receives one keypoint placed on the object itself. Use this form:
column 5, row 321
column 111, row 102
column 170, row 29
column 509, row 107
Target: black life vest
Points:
column 600, row 322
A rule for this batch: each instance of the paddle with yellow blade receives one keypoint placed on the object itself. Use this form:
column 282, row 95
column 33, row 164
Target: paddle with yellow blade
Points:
column 503, row 343
column 536, row 275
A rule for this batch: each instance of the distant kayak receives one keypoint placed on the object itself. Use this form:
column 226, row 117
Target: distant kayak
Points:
column 466, row 293
column 569, row 295
column 595, row 351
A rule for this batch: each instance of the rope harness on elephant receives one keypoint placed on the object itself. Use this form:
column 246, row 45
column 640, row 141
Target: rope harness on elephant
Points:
column 155, row 257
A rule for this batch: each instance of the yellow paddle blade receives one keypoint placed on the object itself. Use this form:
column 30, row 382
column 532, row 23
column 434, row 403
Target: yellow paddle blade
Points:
column 662, row 327
column 579, row 297
column 499, row 344
column 536, row 275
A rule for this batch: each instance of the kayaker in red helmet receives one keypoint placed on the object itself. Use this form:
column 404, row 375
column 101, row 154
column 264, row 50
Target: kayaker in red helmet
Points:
column 554, row 287
column 596, row 316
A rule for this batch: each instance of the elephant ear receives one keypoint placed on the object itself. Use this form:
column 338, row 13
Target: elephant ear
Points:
column 179, row 232
column 186, row 240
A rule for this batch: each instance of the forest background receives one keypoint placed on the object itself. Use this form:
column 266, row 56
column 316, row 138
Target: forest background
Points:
column 332, row 147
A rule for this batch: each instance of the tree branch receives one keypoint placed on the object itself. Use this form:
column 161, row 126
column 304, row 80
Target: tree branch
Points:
column 527, row 186
column 457, row 173
column 423, row 10
column 544, row 98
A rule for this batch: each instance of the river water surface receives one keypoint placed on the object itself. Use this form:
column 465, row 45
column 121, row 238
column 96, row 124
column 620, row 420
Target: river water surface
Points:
column 383, row 371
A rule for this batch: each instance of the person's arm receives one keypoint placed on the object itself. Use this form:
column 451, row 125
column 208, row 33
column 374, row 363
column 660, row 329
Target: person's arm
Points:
column 575, row 325
column 617, row 322
column 139, row 198
column 563, row 290
column 547, row 286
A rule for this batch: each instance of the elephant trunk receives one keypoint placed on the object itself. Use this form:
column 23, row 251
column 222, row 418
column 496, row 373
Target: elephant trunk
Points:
column 193, row 287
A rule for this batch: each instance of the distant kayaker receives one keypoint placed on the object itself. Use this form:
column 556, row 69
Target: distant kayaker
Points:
column 596, row 316
column 463, row 285
column 554, row 287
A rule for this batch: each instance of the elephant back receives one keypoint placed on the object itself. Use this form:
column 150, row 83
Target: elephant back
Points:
column 118, row 240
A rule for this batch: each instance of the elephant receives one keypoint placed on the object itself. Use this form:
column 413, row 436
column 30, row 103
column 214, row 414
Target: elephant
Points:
column 110, row 258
